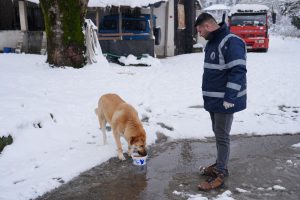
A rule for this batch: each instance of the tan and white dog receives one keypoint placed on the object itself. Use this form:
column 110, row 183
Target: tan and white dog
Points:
column 124, row 121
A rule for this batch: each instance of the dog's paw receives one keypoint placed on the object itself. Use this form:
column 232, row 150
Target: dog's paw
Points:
column 121, row 157
column 129, row 152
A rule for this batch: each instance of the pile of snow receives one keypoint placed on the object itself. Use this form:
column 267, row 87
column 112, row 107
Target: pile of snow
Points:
column 132, row 60
column 190, row 196
column 264, row 189
column 196, row 197
column 290, row 162
column 278, row 187
column 240, row 190
column 224, row 196
column 248, row 8
column 296, row 145
column 198, row 45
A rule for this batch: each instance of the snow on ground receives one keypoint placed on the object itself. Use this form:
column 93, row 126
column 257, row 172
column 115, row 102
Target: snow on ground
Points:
column 190, row 196
column 132, row 60
column 62, row 102
column 278, row 187
column 224, row 196
column 296, row 145
column 289, row 162
column 240, row 190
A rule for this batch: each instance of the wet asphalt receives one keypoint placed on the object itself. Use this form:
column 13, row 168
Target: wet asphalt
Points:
column 257, row 164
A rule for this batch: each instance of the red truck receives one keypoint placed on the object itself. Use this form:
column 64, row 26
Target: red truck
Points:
column 250, row 22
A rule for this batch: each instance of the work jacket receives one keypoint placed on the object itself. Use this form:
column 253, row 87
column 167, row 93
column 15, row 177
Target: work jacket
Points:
column 224, row 77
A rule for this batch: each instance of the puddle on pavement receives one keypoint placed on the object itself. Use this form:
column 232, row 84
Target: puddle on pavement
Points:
column 257, row 164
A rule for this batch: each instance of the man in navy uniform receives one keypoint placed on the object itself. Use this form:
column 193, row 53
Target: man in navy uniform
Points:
column 223, row 88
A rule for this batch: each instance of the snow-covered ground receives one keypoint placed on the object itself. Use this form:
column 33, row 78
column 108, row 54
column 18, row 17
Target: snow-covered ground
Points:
column 61, row 102
column 224, row 196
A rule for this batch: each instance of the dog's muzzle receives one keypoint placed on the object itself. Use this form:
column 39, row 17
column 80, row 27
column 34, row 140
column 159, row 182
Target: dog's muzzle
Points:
column 141, row 151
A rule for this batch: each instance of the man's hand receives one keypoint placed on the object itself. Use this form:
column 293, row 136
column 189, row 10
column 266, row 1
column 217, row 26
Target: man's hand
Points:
column 227, row 105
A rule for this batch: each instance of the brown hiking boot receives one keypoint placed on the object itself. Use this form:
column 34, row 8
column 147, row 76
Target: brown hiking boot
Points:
column 213, row 182
column 207, row 171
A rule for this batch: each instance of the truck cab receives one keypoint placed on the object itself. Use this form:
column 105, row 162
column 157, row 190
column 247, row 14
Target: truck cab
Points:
column 137, row 36
column 133, row 27
column 250, row 22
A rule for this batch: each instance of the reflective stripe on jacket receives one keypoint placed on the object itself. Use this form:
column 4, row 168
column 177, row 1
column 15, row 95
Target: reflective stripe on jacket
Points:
column 224, row 77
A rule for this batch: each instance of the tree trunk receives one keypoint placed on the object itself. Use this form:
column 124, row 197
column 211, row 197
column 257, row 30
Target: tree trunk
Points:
column 64, row 20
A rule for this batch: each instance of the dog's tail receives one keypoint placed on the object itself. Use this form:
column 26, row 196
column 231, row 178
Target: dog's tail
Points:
column 96, row 111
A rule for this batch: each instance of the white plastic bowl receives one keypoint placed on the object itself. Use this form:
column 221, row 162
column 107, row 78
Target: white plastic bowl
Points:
column 139, row 160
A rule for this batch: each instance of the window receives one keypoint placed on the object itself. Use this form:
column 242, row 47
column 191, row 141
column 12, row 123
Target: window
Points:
column 248, row 20
column 134, row 25
column 109, row 24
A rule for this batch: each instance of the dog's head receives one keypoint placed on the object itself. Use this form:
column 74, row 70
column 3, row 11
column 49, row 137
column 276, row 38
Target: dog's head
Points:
column 139, row 144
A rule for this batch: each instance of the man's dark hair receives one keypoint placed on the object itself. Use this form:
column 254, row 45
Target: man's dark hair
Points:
column 204, row 17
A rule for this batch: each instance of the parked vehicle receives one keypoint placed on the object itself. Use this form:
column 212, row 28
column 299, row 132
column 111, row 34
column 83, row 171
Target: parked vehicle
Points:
column 250, row 22
column 137, row 36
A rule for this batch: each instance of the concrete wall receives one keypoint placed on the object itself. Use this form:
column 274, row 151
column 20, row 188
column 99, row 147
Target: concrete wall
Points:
column 160, row 13
column 32, row 40
column 161, row 22
column 9, row 39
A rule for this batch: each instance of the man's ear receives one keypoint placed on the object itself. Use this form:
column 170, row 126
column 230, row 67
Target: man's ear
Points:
column 208, row 26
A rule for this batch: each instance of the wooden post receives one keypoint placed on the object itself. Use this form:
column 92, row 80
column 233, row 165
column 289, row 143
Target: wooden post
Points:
column 23, row 15
column 151, row 22
column 190, row 15
column 170, row 47
column 120, row 22
column 97, row 18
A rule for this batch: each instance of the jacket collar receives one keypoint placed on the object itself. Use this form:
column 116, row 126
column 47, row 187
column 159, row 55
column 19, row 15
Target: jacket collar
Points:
column 223, row 30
